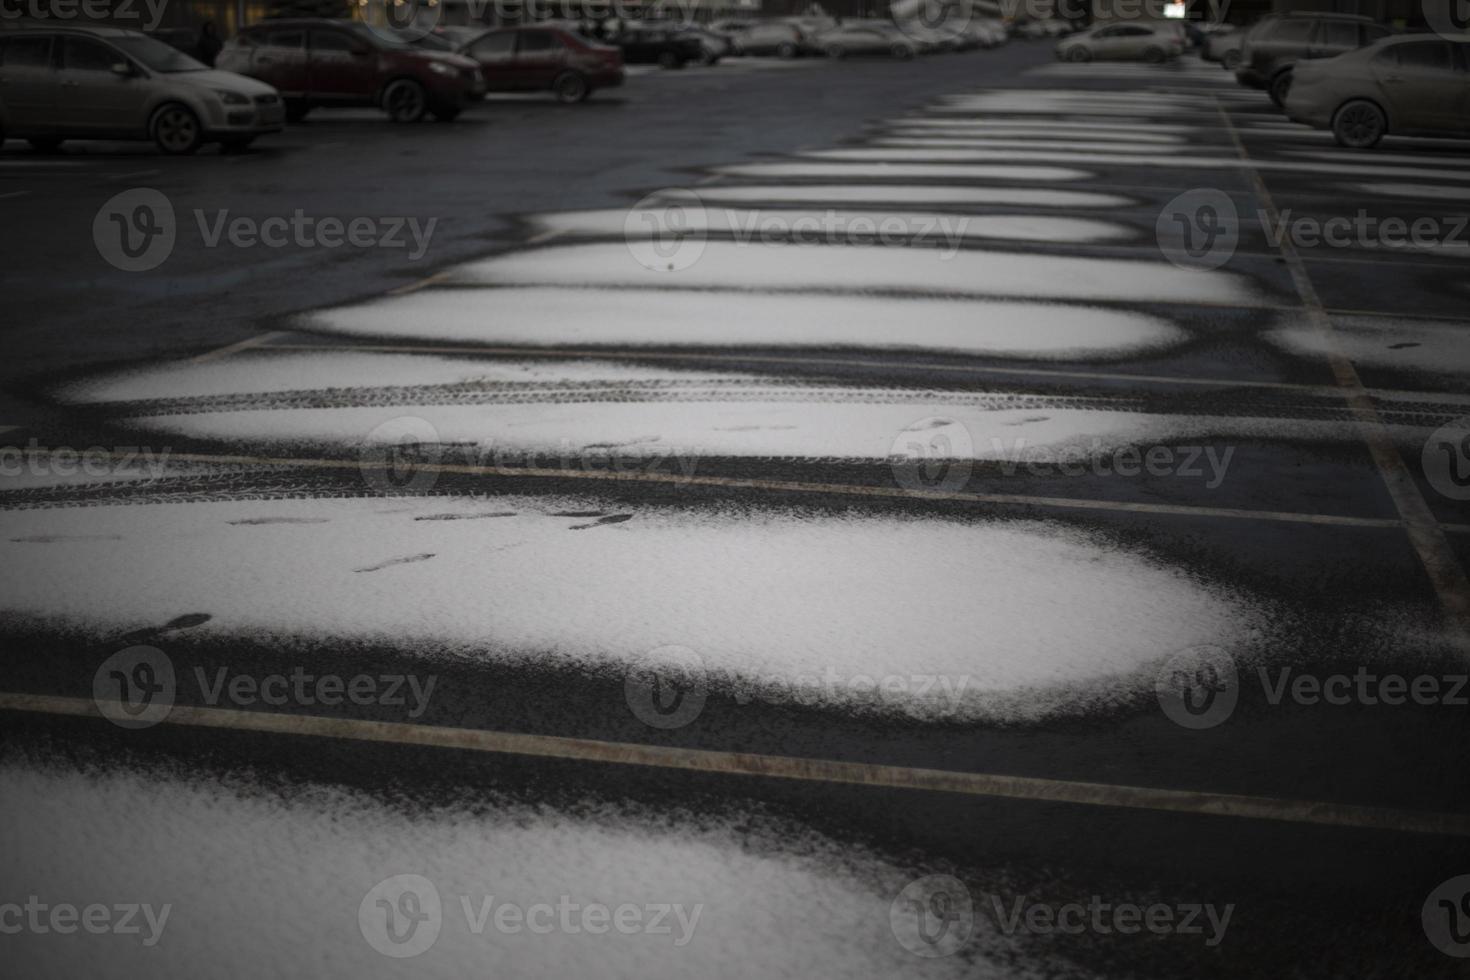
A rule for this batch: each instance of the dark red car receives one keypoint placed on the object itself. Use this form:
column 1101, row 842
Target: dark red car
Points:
column 320, row 62
column 535, row 59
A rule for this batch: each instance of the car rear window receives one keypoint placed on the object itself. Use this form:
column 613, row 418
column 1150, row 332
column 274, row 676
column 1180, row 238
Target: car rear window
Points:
column 25, row 52
column 1430, row 55
column 1337, row 34
column 1291, row 31
column 533, row 41
column 494, row 45
column 285, row 39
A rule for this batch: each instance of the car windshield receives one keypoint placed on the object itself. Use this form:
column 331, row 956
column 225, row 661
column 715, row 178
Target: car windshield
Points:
column 156, row 55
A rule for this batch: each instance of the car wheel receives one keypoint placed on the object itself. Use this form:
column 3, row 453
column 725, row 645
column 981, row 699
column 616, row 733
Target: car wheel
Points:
column 570, row 88
column 1280, row 85
column 1231, row 61
column 787, row 50
column 708, row 59
column 45, row 144
column 176, row 130
column 236, row 144
column 836, row 52
column 296, row 110
column 404, row 101
column 1078, row 53
column 1359, row 125
column 1154, row 56
column 668, row 60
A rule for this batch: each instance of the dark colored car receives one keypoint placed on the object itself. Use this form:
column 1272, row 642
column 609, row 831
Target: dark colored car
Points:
column 1276, row 44
column 658, row 46
column 545, row 59
column 321, row 62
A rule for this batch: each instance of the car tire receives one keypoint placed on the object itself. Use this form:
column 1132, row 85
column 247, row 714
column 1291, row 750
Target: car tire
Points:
column 296, row 110
column 1359, row 124
column 668, row 60
column 236, row 144
column 405, row 101
column 1280, row 85
column 1154, row 56
column 570, row 88
column 786, row 51
column 45, row 144
column 1079, row 54
column 176, row 130
column 1231, row 60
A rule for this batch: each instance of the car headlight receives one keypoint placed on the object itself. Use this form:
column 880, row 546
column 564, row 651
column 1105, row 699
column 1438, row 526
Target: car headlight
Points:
column 442, row 68
column 231, row 98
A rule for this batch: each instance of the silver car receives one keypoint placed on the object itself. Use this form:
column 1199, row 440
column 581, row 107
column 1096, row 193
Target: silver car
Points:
column 866, row 38
column 107, row 83
column 1122, row 42
column 1412, row 85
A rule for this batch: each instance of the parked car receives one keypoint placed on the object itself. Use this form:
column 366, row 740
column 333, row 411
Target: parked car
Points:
column 565, row 63
column 713, row 45
column 107, row 83
column 1223, row 47
column 1127, row 41
column 866, row 39
column 658, row 46
column 762, row 37
column 1413, row 85
column 1272, row 49
column 321, row 62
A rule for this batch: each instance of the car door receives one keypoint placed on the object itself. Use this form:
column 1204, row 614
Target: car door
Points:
column 92, row 97
column 1132, row 41
column 540, row 57
column 1425, row 89
column 280, row 60
column 1104, row 43
column 28, row 82
column 495, row 54
column 340, row 67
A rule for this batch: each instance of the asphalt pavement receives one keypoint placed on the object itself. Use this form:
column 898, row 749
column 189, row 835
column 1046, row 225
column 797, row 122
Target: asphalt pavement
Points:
column 975, row 516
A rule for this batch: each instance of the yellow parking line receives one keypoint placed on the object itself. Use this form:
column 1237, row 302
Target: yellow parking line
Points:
column 782, row 767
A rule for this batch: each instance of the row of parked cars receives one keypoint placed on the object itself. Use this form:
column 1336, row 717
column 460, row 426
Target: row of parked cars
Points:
column 60, row 81
column 1353, row 76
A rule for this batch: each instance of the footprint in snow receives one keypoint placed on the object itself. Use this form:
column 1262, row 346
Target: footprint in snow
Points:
column 408, row 559
column 465, row 517
column 256, row 521
column 609, row 519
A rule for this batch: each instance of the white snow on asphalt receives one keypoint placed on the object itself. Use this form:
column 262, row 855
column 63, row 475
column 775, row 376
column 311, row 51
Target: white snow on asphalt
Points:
column 1123, row 130
column 975, row 173
column 969, row 272
column 922, row 228
column 279, row 883
column 1438, row 192
column 982, row 143
column 917, row 194
column 1019, row 618
column 544, row 316
column 1413, row 345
